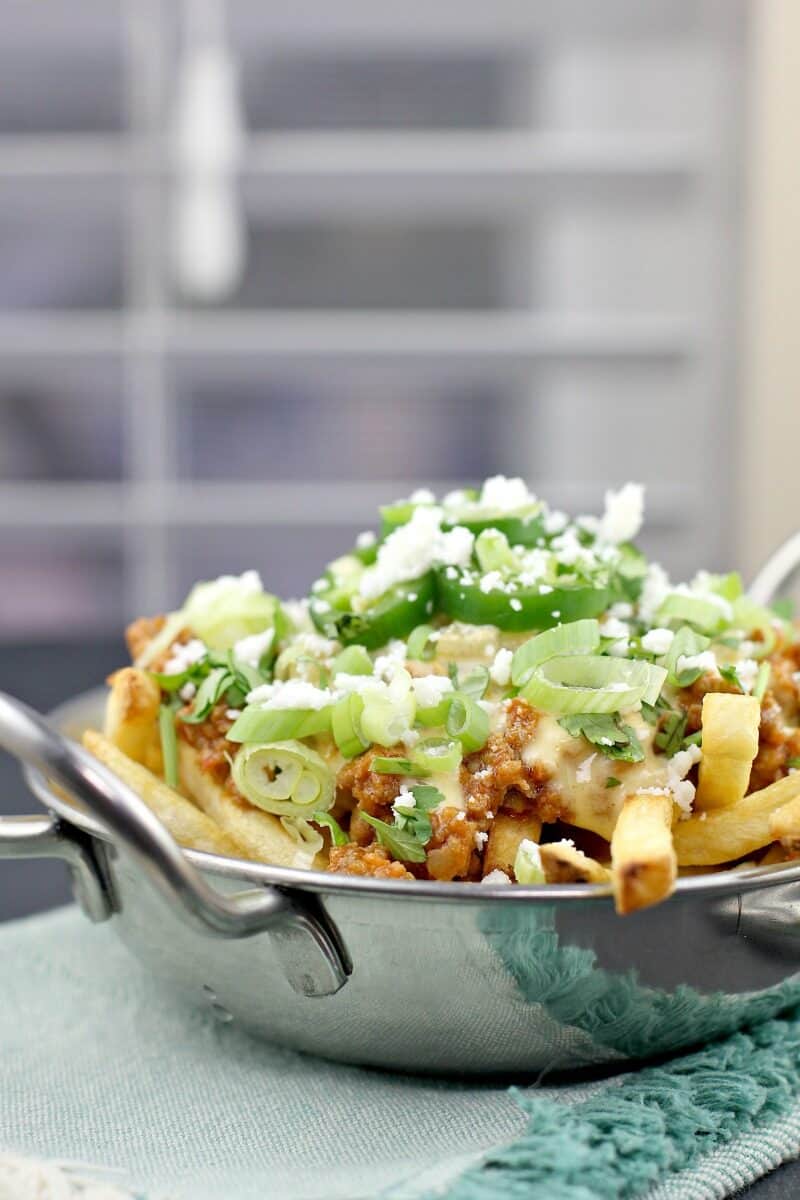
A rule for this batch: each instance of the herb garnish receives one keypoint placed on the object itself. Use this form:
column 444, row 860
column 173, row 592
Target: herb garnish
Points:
column 605, row 731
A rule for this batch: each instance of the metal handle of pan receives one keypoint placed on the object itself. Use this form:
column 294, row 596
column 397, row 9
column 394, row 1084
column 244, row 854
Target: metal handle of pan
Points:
column 311, row 956
column 779, row 568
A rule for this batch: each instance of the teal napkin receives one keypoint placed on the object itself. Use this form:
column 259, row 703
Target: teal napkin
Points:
column 98, row 1067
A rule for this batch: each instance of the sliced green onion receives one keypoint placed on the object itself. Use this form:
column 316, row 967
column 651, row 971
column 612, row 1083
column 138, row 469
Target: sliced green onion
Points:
column 353, row 660
column 593, row 684
column 169, row 743
column 388, row 715
column 338, row 835
column 685, row 644
column 762, row 681
column 432, row 718
column 528, row 863
column 286, row 778
column 695, row 610
column 385, row 765
column 729, row 586
column 226, row 610
column 467, row 721
column 420, row 648
column 493, row 551
column 308, row 839
column 346, row 725
column 752, row 618
column 474, row 683
column 578, row 637
column 437, row 755
column 277, row 724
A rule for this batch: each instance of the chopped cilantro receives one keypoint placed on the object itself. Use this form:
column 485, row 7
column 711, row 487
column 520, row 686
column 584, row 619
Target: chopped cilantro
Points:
column 607, row 733
column 416, row 820
column 670, row 737
column 793, row 762
column 401, row 844
column 338, row 835
column 728, row 673
column 613, row 782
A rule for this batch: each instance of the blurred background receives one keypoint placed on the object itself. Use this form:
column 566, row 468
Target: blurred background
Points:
column 266, row 265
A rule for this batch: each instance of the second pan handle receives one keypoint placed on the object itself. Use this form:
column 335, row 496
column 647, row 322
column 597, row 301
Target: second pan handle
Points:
column 310, row 953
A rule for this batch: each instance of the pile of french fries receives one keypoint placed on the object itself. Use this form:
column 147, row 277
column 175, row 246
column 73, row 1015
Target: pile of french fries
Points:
column 212, row 820
column 651, row 841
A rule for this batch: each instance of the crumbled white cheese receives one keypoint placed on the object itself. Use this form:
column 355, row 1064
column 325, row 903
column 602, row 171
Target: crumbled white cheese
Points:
column 412, row 549
column 583, row 774
column 492, row 581
column 410, row 738
column 387, row 665
column 621, row 609
column 365, row 540
column 233, row 713
column 184, row 655
column 429, row 689
column 515, row 604
column 624, row 512
column 678, row 768
column 747, row 673
column 496, row 876
column 500, row 670
column 658, row 641
column 422, row 496
column 187, row 692
column 570, row 550
column 294, row 693
column 707, row 661
column 481, row 838
column 555, row 521
column 654, row 591
column 612, row 627
column 505, row 495
column 297, row 612
column 251, row 650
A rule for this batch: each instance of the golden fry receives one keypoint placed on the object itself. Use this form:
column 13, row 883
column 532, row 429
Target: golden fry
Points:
column 188, row 825
column 643, row 863
column 131, row 719
column 730, row 743
column 506, row 832
column 708, row 839
column 260, row 833
column 564, row 863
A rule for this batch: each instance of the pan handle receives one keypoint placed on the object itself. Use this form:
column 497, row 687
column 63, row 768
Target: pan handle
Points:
column 310, row 953
column 779, row 568
column 44, row 836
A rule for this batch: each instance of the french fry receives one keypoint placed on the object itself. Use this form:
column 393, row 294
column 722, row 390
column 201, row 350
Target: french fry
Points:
column 564, row 863
column 260, row 833
column 506, row 832
column 131, row 718
column 188, row 825
column 708, row 839
column 784, row 824
column 775, row 854
column 643, row 863
column 730, row 743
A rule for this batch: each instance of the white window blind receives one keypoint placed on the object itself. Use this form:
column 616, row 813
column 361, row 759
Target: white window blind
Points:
column 481, row 238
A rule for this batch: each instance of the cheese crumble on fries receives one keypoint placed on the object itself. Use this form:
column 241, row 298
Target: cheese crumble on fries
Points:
column 483, row 690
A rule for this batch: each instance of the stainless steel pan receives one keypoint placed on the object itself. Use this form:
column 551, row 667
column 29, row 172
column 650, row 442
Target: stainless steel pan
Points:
column 427, row 977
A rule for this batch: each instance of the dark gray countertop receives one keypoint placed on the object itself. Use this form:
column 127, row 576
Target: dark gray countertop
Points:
column 44, row 674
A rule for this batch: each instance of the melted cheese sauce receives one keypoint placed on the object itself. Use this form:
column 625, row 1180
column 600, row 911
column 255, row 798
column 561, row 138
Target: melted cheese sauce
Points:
column 579, row 772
